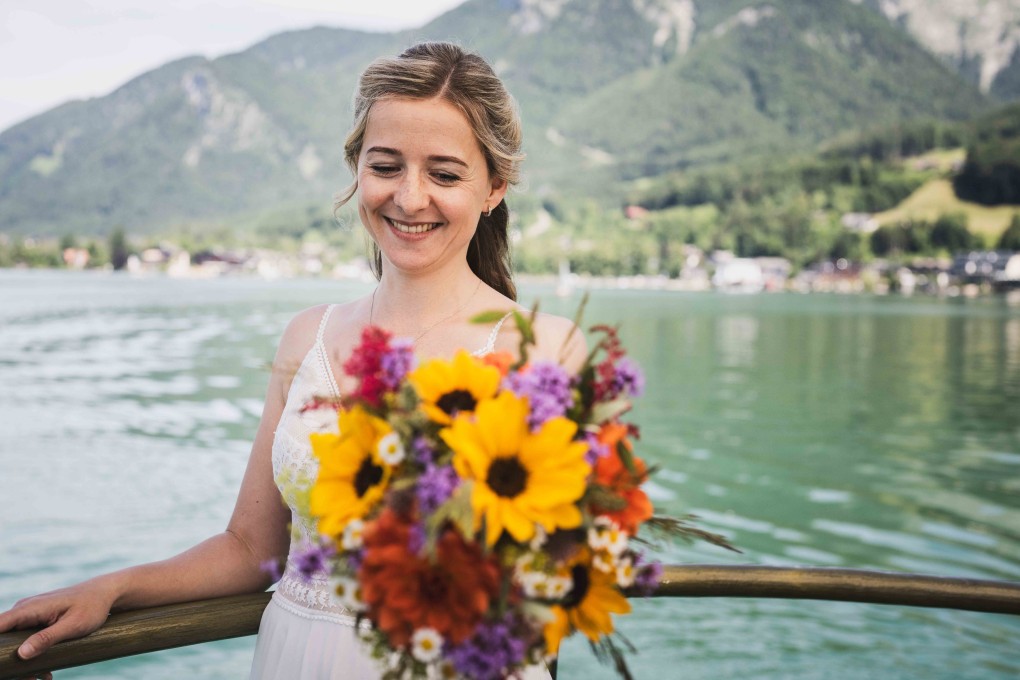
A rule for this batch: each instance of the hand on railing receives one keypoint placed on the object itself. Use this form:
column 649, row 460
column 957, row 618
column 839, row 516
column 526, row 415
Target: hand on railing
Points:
column 65, row 614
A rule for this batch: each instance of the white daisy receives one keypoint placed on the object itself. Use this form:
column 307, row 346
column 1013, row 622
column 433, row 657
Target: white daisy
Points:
column 605, row 534
column 390, row 449
column 625, row 573
column 534, row 583
column 559, row 586
column 352, row 537
column 348, row 593
column 426, row 645
column 604, row 561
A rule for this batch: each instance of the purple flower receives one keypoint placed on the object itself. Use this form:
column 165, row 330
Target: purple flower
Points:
column 354, row 559
column 271, row 567
column 416, row 539
column 313, row 559
column 628, row 378
column 396, row 362
column 435, row 485
column 596, row 449
column 492, row 650
column 423, row 451
column 548, row 389
column 646, row 577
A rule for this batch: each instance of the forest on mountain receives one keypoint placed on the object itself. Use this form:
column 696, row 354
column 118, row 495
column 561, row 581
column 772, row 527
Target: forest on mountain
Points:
column 742, row 125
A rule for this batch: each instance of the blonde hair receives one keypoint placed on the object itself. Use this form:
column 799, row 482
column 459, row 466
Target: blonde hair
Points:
column 440, row 69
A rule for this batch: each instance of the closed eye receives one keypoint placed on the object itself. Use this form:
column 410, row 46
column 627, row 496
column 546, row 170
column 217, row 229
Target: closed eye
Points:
column 446, row 177
column 383, row 169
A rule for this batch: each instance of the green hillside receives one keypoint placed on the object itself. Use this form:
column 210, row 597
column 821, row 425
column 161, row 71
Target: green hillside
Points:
column 766, row 80
column 610, row 91
column 884, row 193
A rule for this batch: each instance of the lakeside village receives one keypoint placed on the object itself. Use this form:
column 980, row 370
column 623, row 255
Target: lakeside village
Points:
column 966, row 273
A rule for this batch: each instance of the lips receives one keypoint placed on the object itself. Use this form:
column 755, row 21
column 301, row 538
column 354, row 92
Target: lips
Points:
column 418, row 228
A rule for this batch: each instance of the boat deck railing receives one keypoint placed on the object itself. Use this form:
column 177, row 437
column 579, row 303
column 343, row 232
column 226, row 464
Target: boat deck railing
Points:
column 158, row 628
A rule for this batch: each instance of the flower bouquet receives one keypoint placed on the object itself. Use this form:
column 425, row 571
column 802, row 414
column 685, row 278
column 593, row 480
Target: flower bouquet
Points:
column 476, row 511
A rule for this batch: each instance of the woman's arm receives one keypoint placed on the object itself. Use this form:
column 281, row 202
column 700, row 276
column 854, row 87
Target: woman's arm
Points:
column 226, row 564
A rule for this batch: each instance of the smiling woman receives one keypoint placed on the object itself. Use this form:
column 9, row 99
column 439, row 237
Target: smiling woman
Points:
column 423, row 182
column 437, row 117
column 435, row 146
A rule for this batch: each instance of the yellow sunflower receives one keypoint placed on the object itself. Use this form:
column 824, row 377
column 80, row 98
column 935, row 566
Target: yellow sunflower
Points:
column 586, row 607
column 353, row 474
column 521, row 478
column 447, row 388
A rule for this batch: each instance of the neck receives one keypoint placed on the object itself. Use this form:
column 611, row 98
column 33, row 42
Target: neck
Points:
column 407, row 305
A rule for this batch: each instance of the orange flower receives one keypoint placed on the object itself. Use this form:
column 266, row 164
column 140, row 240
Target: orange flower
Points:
column 612, row 434
column 612, row 473
column 404, row 591
column 502, row 360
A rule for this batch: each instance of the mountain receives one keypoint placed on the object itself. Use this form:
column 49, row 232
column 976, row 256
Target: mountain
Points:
column 610, row 90
column 978, row 38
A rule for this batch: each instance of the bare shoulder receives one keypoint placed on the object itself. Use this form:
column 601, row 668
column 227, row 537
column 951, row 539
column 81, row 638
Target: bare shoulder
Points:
column 297, row 339
column 299, row 335
column 558, row 339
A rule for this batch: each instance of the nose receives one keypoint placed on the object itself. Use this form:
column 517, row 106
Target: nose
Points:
column 412, row 194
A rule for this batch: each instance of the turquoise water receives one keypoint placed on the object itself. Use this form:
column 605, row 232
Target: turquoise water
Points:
column 812, row 430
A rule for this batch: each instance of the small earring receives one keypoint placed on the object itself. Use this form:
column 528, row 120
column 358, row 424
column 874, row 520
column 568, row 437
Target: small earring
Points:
column 488, row 211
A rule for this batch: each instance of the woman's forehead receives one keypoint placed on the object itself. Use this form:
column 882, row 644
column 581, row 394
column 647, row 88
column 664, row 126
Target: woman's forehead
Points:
column 430, row 126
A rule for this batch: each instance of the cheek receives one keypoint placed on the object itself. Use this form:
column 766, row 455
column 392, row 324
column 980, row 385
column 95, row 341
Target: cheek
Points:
column 370, row 195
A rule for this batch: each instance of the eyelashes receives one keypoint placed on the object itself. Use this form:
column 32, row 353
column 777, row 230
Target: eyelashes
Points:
column 440, row 176
column 446, row 177
column 384, row 170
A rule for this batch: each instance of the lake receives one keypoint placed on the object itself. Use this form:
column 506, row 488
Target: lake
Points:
column 866, row 432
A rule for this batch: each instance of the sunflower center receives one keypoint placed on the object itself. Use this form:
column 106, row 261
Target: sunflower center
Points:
column 582, row 582
column 507, row 477
column 457, row 400
column 368, row 475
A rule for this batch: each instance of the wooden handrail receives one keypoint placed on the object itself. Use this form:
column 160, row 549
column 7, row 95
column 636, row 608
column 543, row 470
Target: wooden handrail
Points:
column 158, row 628
column 847, row 585
column 141, row 631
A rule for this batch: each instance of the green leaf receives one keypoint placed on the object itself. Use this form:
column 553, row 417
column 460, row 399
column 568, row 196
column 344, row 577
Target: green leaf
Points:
column 627, row 457
column 578, row 317
column 602, row 497
column 537, row 612
column 457, row 511
column 684, row 528
column 524, row 326
column 488, row 317
column 605, row 411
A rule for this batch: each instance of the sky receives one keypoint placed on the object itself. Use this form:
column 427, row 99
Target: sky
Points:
column 52, row 51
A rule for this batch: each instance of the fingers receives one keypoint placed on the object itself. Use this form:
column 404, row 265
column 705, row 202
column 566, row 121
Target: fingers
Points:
column 67, row 627
column 31, row 613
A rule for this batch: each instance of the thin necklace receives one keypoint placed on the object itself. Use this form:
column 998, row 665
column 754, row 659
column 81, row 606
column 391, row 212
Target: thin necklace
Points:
column 460, row 308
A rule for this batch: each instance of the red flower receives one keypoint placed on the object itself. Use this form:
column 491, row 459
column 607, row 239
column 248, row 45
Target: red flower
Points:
column 365, row 365
column 611, row 472
column 404, row 591
column 605, row 370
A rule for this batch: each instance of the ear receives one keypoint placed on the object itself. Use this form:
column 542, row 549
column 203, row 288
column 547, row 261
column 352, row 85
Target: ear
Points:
column 497, row 191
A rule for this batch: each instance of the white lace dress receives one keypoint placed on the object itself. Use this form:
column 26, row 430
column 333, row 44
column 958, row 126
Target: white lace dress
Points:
column 305, row 633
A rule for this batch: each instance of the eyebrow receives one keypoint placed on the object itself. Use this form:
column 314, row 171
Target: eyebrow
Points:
column 435, row 159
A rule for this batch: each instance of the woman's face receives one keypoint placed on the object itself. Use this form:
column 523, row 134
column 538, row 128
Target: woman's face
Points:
column 422, row 183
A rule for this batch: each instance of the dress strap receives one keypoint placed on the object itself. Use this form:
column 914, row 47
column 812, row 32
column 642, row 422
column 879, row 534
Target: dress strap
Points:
column 320, row 346
column 491, row 343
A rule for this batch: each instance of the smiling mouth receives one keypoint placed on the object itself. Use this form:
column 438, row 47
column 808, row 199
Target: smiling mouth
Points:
column 412, row 228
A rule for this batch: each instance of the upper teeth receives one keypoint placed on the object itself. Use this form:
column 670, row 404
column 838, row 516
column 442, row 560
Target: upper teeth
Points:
column 415, row 228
